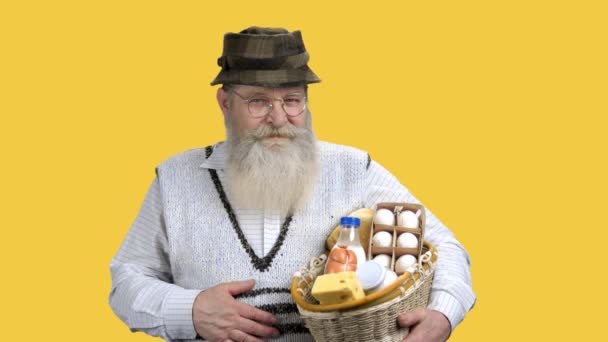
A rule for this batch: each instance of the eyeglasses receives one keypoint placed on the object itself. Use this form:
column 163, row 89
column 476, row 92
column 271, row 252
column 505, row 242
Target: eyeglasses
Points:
column 260, row 105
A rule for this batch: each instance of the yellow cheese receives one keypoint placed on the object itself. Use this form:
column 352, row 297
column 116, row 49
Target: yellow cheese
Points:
column 334, row 288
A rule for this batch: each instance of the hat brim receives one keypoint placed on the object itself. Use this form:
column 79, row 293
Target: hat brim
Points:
column 267, row 78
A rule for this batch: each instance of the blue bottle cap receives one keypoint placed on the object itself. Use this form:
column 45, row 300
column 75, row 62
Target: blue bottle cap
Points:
column 350, row 221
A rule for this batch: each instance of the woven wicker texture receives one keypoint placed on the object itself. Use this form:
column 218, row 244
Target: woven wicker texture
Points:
column 367, row 322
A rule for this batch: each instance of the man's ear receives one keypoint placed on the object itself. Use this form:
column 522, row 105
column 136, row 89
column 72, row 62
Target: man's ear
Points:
column 223, row 100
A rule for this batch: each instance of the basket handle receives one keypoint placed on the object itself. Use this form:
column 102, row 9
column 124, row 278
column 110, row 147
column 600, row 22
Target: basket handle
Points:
column 418, row 273
column 306, row 275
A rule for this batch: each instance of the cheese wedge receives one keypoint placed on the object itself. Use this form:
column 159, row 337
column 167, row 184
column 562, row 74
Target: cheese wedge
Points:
column 335, row 288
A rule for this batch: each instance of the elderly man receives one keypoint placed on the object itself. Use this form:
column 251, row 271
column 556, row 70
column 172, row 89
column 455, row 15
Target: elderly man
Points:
column 222, row 229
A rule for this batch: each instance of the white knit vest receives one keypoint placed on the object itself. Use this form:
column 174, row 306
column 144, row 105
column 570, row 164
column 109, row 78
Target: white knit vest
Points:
column 207, row 248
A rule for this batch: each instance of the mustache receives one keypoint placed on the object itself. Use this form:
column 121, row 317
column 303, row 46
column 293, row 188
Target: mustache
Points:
column 266, row 131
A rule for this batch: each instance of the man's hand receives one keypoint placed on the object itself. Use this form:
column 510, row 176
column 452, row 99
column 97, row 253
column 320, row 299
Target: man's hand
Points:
column 218, row 317
column 425, row 325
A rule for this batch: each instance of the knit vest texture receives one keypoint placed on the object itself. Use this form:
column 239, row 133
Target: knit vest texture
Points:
column 206, row 246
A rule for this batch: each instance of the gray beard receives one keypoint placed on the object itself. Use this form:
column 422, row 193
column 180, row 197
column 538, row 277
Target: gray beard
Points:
column 260, row 176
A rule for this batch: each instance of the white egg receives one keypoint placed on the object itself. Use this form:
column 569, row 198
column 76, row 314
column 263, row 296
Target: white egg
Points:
column 407, row 240
column 389, row 278
column 382, row 239
column 384, row 216
column 404, row 262
column 407, row 219
column 383, row 260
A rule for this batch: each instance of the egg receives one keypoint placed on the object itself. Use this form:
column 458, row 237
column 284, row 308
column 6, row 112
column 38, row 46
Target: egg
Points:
column 404, row 262
column 382, row 239
column 384, row 216
column 383, row 260
column 407, row 240
column 389, row 278
column 407, row 219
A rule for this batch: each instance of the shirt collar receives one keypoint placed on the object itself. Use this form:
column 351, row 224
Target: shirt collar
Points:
column 217, row 159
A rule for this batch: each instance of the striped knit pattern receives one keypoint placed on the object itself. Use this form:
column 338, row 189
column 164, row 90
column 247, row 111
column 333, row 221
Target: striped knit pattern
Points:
column 184, row 241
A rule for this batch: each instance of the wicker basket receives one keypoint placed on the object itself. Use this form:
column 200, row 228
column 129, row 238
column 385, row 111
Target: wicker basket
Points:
column 372, row 318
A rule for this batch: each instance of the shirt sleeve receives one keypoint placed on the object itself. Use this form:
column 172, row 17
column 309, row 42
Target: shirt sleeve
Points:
column 142, row 294
column 451, row 292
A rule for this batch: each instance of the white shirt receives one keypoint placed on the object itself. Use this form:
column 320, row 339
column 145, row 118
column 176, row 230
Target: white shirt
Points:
column 451, row 290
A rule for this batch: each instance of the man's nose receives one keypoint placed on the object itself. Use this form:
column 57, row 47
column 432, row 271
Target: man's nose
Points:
column 277, row 115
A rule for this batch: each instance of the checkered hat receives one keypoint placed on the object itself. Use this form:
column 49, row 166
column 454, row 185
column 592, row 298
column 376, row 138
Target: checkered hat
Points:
column 268, row 57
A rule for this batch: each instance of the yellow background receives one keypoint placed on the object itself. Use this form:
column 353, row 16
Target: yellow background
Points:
column 491, row 112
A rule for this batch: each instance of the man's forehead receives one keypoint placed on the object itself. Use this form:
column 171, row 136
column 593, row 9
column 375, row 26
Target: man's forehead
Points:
column 268, row 90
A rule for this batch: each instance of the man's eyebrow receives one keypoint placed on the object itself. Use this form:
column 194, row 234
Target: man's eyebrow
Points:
column 253, row 94
column 257, row 93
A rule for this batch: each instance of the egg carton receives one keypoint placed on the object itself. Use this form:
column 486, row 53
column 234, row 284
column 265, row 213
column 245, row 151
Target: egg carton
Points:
column 395, row 252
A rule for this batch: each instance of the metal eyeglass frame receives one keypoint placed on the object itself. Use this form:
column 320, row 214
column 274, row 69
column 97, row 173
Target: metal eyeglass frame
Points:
column 270, row 106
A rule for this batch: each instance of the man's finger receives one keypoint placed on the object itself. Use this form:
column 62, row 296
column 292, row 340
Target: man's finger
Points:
column 414, row 336
column 411, row 318
column 239, row 336
column 256, row 314
column 238, row 287
column 256, row 329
